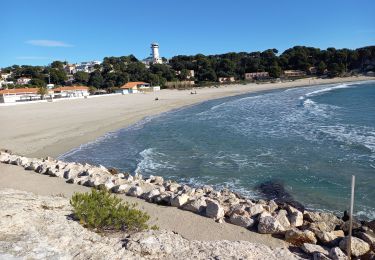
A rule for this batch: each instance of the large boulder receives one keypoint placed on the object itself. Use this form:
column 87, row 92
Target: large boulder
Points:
column 295, row 217
column 72, row 170
column 135, row 191
column 256, row 210
column 337, row 254
column 214, row 210
column 312, row 248
column 368, row 238
column 282, row 217
column 358, row 246
column 242, row 220
column 331, row 238
column 346, row 225
column 180, row 200
column 269, row 225
column 196, row 205
column 4, row 157
column 123, row 188
column 151, row 194
column 298, row 237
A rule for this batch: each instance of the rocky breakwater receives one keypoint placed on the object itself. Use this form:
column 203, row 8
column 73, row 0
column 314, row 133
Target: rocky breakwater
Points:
column 319, row 234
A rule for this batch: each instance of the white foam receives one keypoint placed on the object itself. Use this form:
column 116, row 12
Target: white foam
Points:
column 150, row 163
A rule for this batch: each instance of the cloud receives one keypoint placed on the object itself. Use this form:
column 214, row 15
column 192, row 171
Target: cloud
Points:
column 48, row 43
column 31, row 58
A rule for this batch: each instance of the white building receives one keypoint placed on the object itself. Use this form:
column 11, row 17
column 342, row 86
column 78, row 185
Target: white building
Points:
column 71, row 91
column 134, row 87
column 18, row 95
column 87, row 66
column 155, row 55
column 23, row 81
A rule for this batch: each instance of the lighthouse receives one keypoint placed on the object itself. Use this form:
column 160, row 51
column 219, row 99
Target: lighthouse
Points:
column 155, row 53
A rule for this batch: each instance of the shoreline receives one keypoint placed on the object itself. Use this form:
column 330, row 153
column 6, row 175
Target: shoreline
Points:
column 52, row 129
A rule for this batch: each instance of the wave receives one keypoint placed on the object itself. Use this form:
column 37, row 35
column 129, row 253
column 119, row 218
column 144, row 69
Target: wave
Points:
column 152, row 161
column 327, row 89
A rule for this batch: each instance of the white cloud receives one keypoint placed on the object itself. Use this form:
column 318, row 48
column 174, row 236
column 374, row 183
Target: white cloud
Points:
column 49, row 43
column 31, row 58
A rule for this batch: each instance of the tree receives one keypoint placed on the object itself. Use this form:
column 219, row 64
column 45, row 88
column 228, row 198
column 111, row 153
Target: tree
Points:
column 38, row 82
column 321, row 68
column 81, row 77
column 42, row 91
column 96, row 80
column 275, row 71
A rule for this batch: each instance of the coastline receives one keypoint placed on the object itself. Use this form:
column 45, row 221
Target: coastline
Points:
column 51, row 129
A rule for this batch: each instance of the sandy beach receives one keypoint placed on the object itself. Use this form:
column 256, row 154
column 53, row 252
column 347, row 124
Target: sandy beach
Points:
column 50, row 129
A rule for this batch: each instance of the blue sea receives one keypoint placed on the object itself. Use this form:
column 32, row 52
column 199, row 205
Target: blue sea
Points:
column 310, row 139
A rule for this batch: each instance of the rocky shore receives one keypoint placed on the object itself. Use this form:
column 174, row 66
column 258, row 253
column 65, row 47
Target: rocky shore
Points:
column 318, row 234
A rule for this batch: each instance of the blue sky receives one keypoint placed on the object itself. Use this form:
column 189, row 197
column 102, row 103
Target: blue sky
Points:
column 39, row 31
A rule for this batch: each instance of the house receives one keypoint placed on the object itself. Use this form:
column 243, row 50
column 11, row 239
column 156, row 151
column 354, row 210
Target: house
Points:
column 87, row 66
column 294, row 73
column 71, row 91
column 5, row 76
column 19, row 95
column 23, row 81
column 226, row 79
column 257, row 75
column 70, row 68
column 133, row 87
column 190, row 74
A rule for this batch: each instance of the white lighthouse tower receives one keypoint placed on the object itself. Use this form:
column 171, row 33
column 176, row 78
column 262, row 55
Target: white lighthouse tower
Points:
column 155, row 53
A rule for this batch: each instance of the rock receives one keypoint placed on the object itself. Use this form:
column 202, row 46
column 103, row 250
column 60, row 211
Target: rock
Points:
column 158, row 180
column 312, row 248
column 4, row 157
column 269, row 225
column 109, row 184
column 72, row 170
column 317, row 227
column 120, row 188
column 33, row 165
column 272, row 206
column 163, row 199
column 337, row 254
column 196, row 205
column 368, row 238
column 283, row 219
column 151, row 194
column 330, row 238
column 242, row 220
column 358, row 246
column 180, row 200
column 214, row 209
column 173, row 187
column 328, row 218
column 298, row 237
column 295, row 217
column 256, row 210
column 345, row 226
column 207, row 189
column 320, row 256
column 135, row 191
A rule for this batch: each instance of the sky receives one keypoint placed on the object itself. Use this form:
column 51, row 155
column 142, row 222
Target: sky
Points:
column 37, row 32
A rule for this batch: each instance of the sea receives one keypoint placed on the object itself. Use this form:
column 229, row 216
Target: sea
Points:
column 311, row 140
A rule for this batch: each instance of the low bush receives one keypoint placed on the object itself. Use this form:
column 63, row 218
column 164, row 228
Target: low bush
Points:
column 103, row 211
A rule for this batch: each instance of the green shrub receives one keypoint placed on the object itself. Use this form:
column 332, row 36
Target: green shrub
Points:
column 102, row 211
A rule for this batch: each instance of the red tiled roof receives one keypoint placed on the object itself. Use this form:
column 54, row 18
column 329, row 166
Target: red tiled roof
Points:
column 133, row 84
column 70, row 88
column 19, row 91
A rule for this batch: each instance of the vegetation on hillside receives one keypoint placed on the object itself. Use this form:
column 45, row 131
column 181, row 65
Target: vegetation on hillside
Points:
column 116, row 71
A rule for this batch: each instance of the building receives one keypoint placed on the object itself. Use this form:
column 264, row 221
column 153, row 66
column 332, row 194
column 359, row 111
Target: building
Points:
column 19, row 95
column 86, row 66
column 71, row 91
column 225, row 79
column 133, row 87
column 294, row 73
column 23, row 81
column 154, row 58
column 257, row 75
column 5, row 76
column 70, row 68
column 5, row 83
